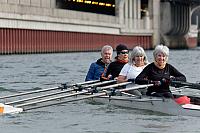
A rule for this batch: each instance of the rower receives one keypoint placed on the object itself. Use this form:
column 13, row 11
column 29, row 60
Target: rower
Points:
column 97, row 68
column 114, row 68
column 137, row 62
column 160, row 73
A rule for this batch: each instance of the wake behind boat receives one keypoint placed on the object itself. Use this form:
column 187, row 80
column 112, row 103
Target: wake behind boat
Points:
column 107, row 92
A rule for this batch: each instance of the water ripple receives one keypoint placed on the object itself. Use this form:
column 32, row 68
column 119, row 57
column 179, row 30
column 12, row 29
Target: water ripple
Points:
column 31, row 72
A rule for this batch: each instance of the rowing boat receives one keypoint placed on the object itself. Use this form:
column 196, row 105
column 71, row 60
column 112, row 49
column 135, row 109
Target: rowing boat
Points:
column 155, row 104
column 96, row 92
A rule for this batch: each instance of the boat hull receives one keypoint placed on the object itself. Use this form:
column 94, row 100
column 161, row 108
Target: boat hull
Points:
column 167, row 106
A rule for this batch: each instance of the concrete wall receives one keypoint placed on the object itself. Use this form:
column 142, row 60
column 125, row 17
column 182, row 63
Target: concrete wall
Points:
column 32, row 26
column 37, row 3
column 42, row 15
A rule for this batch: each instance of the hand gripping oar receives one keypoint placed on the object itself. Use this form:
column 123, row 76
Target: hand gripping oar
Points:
column 64, row 86
column 91, row 96
column 182, row 84
column 73, row 94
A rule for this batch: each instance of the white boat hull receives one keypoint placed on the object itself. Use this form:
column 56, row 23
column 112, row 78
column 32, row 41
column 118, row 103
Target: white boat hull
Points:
column 156, row 104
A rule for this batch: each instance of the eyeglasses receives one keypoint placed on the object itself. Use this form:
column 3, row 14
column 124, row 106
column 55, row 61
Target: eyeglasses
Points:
column 124, row 52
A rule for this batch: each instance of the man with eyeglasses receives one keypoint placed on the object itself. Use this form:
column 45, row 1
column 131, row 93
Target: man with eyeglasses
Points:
column 114, row 68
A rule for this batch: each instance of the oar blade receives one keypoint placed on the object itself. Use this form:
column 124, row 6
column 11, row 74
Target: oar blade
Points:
column 8, row 109
column 185, row 84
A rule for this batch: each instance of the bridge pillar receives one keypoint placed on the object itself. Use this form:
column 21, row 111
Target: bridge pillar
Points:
column 52, row 3
column 156, row 21
column 176, row 25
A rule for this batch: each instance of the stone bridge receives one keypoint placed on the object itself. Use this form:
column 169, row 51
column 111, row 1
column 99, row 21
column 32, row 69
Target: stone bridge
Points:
column 43, row 26
column 177, row 28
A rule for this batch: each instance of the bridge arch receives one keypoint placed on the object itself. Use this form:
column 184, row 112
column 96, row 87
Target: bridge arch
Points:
column 195, row 16
column 195, row 20
column 195, row 8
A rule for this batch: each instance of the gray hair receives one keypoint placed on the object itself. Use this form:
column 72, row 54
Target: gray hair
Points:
column 161, row 49
column 106, row 47
column 138, row 51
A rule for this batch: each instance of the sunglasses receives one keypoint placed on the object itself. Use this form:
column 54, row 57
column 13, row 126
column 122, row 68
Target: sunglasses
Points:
column 124, row 52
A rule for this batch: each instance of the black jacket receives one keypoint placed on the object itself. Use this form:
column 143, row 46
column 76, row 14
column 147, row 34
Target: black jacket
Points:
column 153, row 73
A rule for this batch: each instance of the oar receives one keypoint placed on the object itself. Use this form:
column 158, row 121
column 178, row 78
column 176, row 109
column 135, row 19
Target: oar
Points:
column 49, row 89
column 29, row 92
column 98, row 84
column 51, row 99
column 86, row 82
column 90, row 96
column 65, row 85
column 70, row 95
column 56, row 93
column 41, row 96
column 182, row 84
column 115, row 85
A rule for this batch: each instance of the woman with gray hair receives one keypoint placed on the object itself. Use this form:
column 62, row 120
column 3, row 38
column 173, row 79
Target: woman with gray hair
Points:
column 159, row 73
column 137, row 62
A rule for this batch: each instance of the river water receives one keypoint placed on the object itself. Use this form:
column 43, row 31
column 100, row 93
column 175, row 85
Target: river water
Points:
column 26, row 72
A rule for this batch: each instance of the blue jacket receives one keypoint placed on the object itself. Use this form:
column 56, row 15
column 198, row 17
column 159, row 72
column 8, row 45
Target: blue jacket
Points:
column 95, row 71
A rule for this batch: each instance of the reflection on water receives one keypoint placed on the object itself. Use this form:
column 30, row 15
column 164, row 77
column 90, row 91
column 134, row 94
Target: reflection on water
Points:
column 27, row 72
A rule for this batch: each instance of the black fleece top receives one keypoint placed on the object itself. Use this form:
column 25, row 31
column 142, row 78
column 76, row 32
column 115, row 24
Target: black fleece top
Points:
column 153, row 73
column 115, row 68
